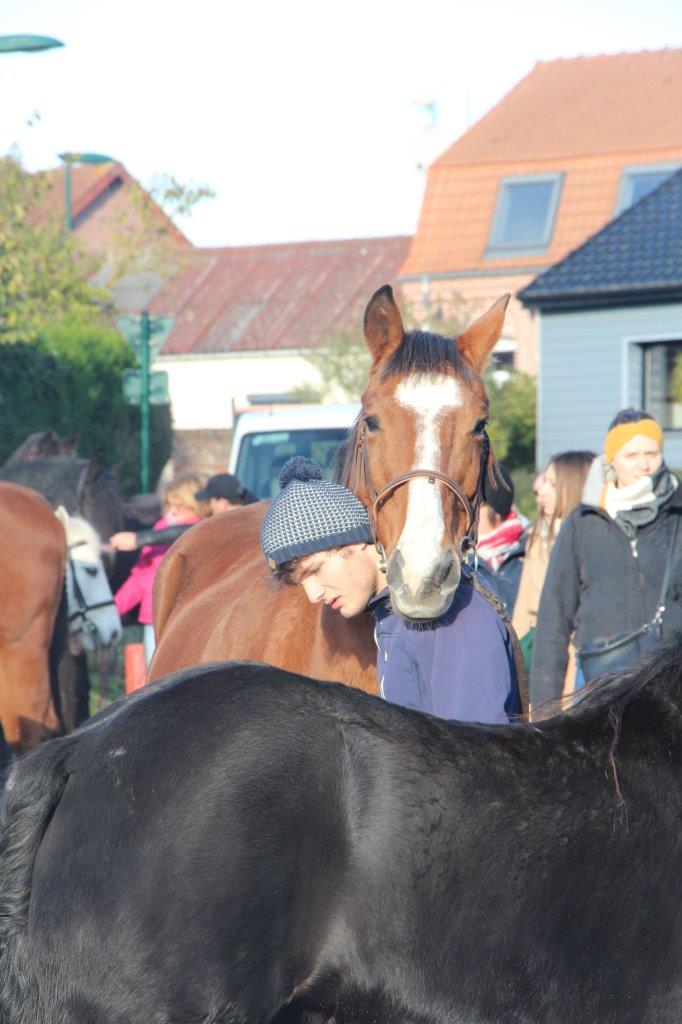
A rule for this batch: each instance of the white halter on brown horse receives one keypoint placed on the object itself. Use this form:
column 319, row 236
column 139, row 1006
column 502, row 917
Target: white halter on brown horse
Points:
column 417, row 458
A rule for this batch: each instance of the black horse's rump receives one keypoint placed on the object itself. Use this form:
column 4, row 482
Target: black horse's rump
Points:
column 239, row 845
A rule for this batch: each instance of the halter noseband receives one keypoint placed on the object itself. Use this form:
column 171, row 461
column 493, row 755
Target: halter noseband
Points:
column 470, row 505
column 82, row 606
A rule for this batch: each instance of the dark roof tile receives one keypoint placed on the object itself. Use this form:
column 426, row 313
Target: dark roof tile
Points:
column 637, row 257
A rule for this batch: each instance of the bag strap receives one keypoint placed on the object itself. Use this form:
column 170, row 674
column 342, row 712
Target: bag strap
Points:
column 658, row 616
column 668, row 569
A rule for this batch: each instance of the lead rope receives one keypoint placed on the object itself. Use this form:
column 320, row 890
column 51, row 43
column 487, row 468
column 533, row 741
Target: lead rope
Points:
column 519, row 664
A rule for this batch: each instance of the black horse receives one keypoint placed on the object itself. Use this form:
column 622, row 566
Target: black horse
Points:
column 239, row 845
column 85, row 487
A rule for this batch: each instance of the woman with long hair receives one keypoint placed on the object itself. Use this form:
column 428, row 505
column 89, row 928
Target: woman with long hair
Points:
column 559, row 493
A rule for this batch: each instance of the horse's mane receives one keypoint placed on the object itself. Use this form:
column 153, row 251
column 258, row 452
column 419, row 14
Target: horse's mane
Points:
column 344, row 467
column 607, row 697
column 617, row 690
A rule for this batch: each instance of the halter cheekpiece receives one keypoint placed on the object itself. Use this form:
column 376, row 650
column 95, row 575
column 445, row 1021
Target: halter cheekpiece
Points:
column 378, row 498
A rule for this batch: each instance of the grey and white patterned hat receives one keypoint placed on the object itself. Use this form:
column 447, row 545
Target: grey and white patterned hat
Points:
column 311, row 514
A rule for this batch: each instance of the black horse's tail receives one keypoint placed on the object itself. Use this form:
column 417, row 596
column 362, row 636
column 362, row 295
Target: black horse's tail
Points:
column 32, row 794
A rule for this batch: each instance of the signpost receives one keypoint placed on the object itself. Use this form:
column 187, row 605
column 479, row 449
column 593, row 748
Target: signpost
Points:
column 145, row 335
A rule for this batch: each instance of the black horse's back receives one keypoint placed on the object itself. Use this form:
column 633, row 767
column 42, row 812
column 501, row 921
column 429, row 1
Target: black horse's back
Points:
column 163, row 811
column 238, row 844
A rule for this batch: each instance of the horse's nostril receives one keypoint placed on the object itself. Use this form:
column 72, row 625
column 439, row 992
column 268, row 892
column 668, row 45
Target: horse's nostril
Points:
column 445, row 572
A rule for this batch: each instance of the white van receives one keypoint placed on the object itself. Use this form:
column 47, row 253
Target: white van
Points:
column 264, row 440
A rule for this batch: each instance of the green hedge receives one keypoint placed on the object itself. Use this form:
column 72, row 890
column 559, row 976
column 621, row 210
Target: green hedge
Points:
column 69, row 379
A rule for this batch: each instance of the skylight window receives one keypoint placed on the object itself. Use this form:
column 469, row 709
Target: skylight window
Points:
column 525, row 213
column 638, row 182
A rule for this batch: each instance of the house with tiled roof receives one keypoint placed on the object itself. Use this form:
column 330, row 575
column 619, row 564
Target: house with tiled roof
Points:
column 610, row 318
column 247, row 317
column 571, row 146
column 116, row 221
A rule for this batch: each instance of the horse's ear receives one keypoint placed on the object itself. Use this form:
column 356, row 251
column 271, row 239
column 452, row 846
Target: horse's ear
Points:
column 384, row 329
column 478, row 341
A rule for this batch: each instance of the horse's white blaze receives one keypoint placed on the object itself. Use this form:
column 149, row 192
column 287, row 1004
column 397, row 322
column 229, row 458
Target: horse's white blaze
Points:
column 419, row 543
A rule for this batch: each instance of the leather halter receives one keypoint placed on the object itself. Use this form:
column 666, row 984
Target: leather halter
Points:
column 82, row 606
column 378, row 498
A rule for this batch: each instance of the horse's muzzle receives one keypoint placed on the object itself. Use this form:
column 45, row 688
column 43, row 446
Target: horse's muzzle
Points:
column 432, row 595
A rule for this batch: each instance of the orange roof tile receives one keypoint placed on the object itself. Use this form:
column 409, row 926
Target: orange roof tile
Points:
column 587, row 118
column 581, row 107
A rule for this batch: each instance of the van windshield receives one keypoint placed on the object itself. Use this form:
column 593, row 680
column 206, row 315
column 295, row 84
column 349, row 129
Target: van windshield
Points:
column 262, row 456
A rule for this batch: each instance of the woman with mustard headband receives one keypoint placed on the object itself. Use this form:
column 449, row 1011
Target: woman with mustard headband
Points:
column 614, row 582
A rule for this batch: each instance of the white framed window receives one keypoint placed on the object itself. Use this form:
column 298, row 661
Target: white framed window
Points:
column 524, row 213
column 637, row 182
column 662, row 382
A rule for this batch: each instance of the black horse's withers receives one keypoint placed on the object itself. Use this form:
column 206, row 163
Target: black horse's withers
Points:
column 239, row 844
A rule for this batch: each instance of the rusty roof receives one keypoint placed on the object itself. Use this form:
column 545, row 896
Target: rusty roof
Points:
column 270, row 297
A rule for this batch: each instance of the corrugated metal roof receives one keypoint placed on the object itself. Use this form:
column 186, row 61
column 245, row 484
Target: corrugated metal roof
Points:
column 268, row 297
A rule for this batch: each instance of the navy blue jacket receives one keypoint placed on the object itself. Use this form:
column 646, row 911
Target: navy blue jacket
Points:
column 460, row 666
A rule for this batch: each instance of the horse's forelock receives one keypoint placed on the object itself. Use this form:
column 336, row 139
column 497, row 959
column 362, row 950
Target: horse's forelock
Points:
column 81, row 534
column 422, row 353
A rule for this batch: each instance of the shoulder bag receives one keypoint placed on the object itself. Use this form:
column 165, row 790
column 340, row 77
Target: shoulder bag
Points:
column 613, row 654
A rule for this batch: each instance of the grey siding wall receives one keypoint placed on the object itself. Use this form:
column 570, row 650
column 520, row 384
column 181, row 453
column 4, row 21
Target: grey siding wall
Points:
column 590, row 367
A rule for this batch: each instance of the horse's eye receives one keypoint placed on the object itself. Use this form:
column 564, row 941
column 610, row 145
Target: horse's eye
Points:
column 479, row 429
column 372, row 424
column 91, row 570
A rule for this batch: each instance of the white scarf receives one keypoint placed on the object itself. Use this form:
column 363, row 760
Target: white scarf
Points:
column 623, row 499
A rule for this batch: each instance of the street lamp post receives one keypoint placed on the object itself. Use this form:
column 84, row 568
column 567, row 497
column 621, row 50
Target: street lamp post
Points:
column 69, row 159
column 27, row 44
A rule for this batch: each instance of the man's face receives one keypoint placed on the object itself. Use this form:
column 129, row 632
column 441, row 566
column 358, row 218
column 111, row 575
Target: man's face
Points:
column 216, row 505
column 345, row 579
column 638, row 457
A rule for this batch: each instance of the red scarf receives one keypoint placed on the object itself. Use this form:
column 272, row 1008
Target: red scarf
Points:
column 497, row 544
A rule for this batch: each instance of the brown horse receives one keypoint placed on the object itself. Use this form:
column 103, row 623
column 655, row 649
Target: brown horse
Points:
column 32, row 564
column 417, row 458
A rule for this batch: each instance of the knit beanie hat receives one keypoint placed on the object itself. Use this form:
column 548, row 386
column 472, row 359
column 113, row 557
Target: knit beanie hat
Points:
column 311, row 514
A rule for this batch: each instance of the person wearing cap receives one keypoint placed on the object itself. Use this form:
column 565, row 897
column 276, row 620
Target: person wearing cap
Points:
column 608, row 563
column 501, row 539
column 222, row 493
column 318, row 535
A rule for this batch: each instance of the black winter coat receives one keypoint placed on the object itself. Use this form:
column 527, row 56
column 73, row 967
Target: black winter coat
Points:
column 598, row 584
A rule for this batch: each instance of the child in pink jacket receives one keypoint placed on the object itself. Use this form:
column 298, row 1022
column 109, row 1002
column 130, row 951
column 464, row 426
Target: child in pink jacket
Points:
column 179, row 506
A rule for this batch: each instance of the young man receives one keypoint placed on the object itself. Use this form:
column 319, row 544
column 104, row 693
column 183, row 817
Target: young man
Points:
column 318, row 535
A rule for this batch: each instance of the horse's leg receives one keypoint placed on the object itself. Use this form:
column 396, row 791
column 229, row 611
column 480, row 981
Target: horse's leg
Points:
column 27, row 711
column 69, row 678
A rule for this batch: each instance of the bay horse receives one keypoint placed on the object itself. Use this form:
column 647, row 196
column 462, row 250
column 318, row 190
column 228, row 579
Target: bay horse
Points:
column 240, row 845
column 55, row 599
column 417, row 458
column 32, row 566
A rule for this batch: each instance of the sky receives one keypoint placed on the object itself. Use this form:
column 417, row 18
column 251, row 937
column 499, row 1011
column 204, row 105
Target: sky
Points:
column 307, row 119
